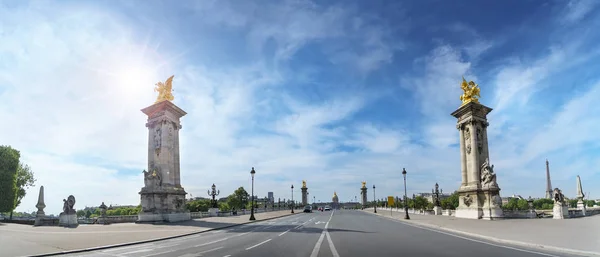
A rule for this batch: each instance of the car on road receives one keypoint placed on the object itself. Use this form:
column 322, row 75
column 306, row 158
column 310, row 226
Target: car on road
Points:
column 327, row 208
column 308, row 208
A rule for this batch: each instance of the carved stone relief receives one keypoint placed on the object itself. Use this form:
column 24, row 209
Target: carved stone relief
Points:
column 467, row 137
column 157, row 138
column 170, row 136
column 467, row 200
column 479, row 140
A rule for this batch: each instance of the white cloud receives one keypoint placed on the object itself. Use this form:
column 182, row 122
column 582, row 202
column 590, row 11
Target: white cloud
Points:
column 577, row 9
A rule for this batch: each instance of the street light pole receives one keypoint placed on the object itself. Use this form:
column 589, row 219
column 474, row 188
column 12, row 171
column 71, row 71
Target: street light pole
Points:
column 406, row 217
column 252, row 172
column 374, row 199
column 292, row 198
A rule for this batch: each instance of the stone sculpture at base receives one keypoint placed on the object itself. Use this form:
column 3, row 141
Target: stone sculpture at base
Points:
column 479, row 193
column 162, row 197
column 68, row 218
column 561, row 207
column 40, row 215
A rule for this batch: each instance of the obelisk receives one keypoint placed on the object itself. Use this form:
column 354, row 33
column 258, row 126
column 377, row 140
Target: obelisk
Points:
column 304, row 193
column 580, row 196
column 479, row 193
column 40, row 215
column 548, row 183
column 162, row 197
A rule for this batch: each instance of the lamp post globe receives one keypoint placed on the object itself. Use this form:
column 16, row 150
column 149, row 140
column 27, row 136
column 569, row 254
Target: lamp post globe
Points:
column 374, row 200
column 293, row 199
column 406, row 217
column 252, row 172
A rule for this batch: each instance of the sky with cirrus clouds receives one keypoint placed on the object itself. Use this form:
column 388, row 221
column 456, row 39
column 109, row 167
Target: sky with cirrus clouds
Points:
column 333, row 92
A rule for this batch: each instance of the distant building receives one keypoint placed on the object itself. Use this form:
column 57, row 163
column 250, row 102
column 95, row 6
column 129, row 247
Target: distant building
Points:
column 429, row 196
column 270, row 196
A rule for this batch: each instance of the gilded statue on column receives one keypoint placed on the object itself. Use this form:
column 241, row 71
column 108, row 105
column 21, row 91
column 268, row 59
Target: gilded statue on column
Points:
column 303, row 183
column 470, row 92
column 164, row 90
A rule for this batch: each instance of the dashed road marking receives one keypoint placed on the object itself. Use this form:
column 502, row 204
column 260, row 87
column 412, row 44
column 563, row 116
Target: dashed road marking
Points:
column 258, row 244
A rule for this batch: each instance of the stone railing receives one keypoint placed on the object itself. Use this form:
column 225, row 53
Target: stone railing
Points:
column 519, row 214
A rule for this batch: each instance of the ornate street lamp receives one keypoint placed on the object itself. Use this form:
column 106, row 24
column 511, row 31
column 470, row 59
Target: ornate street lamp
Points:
column 406, row 217
column 374, row 199
column 214, row 193
column 292, row 198
column 252, row 172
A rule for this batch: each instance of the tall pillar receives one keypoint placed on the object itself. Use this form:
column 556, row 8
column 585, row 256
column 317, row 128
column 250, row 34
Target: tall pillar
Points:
column 479, row 194
column 162, row 197
column 548, row 182
column 304, row 193
column 363, row 195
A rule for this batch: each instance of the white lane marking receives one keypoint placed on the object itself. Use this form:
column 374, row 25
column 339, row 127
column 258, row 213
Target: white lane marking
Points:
column 331, row 246
column 226, row 255
column 258, row 244
column 159, row 253
column 298, row 226
column 284, row 232
column 138, row 251
column 212, row 242
column 483, row 242
column 210, row 250
column 315, row 251
column 320, row 222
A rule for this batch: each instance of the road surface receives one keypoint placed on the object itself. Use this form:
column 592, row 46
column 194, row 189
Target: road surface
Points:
column 322, row 234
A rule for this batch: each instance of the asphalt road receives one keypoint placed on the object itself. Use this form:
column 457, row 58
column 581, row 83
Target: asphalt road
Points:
column 322, row 234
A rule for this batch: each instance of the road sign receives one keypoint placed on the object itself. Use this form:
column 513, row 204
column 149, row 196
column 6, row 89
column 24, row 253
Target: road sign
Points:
column 390, row 201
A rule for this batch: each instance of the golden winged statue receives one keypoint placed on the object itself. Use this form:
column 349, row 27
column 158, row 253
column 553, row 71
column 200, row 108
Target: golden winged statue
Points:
column 164, row 90
column 364, row 184
column 303, row 183
column 470, row 92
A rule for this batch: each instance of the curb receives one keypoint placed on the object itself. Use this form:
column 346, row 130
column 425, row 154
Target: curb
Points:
column 493, row 239
column 153, row 240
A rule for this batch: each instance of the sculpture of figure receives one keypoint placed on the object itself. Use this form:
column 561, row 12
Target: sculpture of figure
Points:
column 68, row 205
column 488, row 177
column 470, row 92
column 304, row 183
column 156, row 179
column 147, row 178
column 164, row 90
column 559, row 198
column 364, row 184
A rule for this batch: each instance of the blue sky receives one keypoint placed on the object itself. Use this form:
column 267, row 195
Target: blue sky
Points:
column 334, row 92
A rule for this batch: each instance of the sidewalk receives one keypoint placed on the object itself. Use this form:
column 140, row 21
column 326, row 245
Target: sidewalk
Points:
column 578, row 236
column 26, row 240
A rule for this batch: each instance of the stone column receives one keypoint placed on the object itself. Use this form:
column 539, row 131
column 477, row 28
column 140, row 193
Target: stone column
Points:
column 363, row 194
column 580, row 196
column 304, row 196
column 479, row 196
column 162, row 197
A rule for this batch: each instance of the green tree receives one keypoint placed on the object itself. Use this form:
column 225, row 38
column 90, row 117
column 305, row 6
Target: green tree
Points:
column 9, row 164
column 541, row 204
column 198, row 205
column 522, row 205
column 450, row 203
column 239, row 199
column 80, row 213
column 590, row 203
column 88, row 214
column 573, row 203
column 25, row 180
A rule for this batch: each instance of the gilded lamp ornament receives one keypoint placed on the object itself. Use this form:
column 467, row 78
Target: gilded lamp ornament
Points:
column 164, row 90
column 470, row 92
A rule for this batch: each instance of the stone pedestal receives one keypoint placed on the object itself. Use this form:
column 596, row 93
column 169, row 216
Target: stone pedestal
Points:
column 40, row 215
column 304, row 196
column 162, row 197
column 581, row 206
column 560, row 212
column 67, row 220
column 437, row 210
column 213, row 212
column 479, row 193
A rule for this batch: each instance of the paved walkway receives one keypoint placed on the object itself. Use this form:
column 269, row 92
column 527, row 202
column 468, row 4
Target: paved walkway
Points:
column 580, row 235
column 26, row 240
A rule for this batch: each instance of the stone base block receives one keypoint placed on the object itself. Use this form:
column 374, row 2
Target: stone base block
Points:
column 213, row 212
column 67, row 220
column 493, row 213
column 163, row 217
column 560, row 212
column 468, row 213
column 39, row 220
column 581, row 206
column 437, row 210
